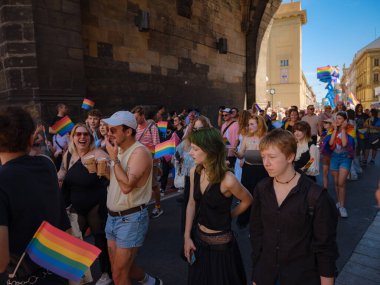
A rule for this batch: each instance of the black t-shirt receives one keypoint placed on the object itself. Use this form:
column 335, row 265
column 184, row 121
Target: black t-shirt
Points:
column 29, row 194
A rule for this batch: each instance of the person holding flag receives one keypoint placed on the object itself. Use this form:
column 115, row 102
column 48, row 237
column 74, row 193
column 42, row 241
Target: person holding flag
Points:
column 25, row 199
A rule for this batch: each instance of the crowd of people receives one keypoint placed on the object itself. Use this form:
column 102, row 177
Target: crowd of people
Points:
column 99, row 179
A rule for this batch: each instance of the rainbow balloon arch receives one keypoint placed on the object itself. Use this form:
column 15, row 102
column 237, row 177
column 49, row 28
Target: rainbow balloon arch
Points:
column 329, row 74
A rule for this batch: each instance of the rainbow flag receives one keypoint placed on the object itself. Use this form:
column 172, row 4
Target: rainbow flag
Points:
column 164, row 148
column 61, row 253
column 162, row 126
column 88, row 104
column 63, row 126
column 362, row 133
column 352, row 99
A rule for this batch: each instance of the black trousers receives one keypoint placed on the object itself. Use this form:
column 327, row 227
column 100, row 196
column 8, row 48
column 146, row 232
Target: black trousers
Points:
column 166, row 166
column 186, row 195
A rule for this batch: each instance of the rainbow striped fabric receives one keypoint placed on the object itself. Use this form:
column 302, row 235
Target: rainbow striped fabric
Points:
column 61, row 253
column 164, row 148
column 162, row 126
column 352, row 99
column 88, row 104
column 63, row 126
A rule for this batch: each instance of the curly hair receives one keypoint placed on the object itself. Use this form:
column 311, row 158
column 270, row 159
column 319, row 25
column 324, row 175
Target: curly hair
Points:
column 16, row 130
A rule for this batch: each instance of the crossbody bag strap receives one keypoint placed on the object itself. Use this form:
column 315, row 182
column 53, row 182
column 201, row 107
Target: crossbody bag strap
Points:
column 144, row 131
column 225, row 130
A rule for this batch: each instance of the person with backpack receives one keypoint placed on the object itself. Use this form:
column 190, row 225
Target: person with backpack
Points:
column 293, row 221
column 147, row 134
column 307, row 156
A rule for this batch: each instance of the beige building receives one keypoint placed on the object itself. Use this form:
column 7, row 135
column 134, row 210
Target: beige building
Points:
column 363, row 75
column 284, row 60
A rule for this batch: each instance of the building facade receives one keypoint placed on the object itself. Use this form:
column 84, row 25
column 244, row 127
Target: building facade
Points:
column 363, row 75
column 120, row 53
column 284, row 59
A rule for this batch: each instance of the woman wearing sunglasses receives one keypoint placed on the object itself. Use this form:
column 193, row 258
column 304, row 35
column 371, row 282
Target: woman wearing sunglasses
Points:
column 85, row 193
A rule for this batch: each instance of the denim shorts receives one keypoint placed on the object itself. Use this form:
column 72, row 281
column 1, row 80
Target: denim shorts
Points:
column 340, row 160
column 128, row 231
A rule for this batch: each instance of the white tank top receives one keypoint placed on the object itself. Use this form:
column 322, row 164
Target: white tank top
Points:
column 117, row 200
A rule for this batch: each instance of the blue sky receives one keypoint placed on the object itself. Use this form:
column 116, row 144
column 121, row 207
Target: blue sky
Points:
column 334, row 32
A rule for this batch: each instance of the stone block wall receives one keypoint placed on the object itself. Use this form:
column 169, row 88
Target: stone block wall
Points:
column 18, row 63
column 175, row 63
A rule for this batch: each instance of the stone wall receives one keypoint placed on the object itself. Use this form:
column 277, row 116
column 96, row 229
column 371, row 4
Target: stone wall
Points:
column 175, row 63
column 18, row 64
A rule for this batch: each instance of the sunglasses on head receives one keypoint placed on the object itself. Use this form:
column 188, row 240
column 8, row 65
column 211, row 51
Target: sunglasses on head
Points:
column 85, row 134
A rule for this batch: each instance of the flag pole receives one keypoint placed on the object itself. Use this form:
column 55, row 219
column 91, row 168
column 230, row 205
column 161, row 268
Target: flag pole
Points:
column 10, row 276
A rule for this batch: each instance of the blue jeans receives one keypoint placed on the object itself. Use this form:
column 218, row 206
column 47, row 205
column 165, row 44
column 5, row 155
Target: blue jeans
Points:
column 340, row 160
column 128, row 231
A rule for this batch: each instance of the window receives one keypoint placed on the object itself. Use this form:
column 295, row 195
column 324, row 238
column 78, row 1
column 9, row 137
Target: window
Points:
column 376, row 77
column 284, row 75
column 284, row 62
column 376, row 62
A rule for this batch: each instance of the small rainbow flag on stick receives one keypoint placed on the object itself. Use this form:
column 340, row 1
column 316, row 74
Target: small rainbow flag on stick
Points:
column 61, row 253
column 164, row 148
column 88, row 104
column 63, row 126
column 162, row 126
column 352, row 99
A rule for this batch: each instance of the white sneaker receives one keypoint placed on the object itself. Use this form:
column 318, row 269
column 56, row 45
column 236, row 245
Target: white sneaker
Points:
column 104, row 280
column 343, row 212
column 156, row 212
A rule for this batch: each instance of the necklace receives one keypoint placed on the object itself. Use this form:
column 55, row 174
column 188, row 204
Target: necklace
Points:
column 287, row 182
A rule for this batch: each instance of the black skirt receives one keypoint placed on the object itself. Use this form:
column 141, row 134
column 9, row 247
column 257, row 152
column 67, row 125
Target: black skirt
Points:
column 218, row 260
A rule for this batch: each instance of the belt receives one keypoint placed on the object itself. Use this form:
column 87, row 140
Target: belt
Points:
column 127, row 212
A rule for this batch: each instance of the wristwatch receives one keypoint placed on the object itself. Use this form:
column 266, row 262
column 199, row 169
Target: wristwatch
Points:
column 114, row 162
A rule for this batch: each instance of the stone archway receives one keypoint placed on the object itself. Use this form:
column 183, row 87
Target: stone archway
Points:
column 259, row 15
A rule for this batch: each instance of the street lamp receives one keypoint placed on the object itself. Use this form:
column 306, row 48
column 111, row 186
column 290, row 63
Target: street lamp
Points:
column 272, row 91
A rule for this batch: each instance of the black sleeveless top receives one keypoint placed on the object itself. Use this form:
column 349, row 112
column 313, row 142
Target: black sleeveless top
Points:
column 83, row 189
column 214, row 207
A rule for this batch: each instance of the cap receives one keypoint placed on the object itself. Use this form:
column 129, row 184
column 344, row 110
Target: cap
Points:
column 122, row 118
column 328, row 121
column 227, row 110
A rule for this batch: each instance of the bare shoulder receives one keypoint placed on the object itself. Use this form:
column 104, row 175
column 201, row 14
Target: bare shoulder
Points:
column 229, row 180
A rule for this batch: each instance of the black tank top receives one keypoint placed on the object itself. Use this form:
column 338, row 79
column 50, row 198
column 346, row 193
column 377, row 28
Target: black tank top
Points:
column 85, row 189
column 215, row 208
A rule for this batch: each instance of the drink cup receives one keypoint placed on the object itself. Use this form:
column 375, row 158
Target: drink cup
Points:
column 101, row 168
column 90, row 163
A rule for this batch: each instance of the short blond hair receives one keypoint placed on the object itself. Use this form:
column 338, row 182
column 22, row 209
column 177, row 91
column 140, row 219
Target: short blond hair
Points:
column 282, row 139
column 72, row 148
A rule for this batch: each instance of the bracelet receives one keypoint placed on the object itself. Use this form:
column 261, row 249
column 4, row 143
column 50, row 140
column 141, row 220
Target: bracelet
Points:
column 114, row 162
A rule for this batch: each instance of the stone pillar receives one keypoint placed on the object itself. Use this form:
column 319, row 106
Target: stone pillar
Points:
column 18, row 63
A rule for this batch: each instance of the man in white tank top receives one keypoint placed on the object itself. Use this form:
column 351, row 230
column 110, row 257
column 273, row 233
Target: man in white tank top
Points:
column 129, row 192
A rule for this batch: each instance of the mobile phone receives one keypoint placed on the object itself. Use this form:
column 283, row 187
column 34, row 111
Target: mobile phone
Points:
column 192, row 258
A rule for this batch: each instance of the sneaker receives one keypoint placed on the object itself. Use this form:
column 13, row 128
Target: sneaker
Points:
column 156, row 212
column 162, row 192
column 337, row 205
column 158, row 281
column 104, row 280
column 372, row 161
column 343, row 212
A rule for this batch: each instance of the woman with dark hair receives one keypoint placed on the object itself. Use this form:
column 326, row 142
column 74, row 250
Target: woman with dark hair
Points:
column 179, row 125
column 362, row 139
column 293, row 118
column 373, row 125
column 29, row 195
column 293, row 221
column 338, row 108
column 212, row 250
column 306, row 150
column 340, row 143
column 253, row 169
